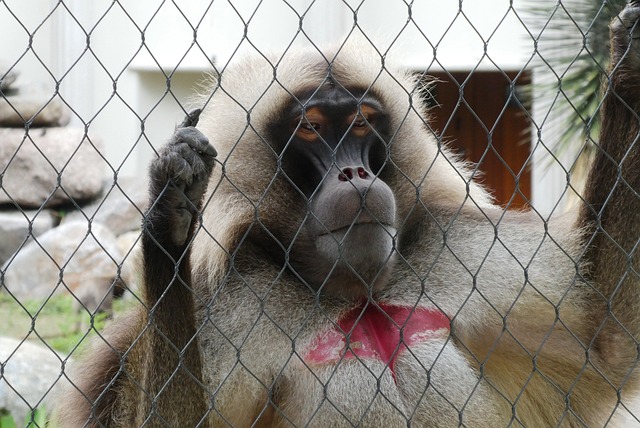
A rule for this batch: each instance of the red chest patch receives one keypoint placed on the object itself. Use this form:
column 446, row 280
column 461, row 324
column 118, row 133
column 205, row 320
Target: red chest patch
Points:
column 377, row 333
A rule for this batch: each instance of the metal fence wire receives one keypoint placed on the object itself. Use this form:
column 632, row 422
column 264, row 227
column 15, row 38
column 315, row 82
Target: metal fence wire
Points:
column 358, row 213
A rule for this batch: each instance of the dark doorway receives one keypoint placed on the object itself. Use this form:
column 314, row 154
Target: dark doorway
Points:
column 488, row 126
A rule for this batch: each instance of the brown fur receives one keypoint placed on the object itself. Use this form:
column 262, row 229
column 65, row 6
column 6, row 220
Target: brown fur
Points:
column 544, row 313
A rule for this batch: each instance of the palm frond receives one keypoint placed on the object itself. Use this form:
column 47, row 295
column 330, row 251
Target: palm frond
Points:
column 572, row 39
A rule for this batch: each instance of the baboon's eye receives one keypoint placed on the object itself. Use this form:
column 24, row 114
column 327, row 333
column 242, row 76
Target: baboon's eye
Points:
column 309, row 124
column 362, row 120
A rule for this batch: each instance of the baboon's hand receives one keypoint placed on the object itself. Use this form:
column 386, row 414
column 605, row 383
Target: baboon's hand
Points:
column 625, row 36
column 179, row 180
column 191, row 119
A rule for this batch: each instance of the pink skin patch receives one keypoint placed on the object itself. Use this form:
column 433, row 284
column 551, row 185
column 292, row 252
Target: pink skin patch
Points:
column 380, row 333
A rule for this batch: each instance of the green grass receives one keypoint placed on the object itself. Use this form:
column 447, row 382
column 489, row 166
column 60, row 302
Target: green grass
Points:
column 35, row 419
column 59, row 321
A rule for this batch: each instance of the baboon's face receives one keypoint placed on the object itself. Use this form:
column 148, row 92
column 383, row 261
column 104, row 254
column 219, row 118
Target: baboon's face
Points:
column 332, row 141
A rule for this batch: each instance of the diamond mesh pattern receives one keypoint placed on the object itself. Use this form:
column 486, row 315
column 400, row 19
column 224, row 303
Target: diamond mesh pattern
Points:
column 111, row 76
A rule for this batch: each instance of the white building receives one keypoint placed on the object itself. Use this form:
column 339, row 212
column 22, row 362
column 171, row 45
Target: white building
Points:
column 118, row 86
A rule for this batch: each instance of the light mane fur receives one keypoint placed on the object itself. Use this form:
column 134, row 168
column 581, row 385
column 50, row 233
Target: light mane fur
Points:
column 240, row 120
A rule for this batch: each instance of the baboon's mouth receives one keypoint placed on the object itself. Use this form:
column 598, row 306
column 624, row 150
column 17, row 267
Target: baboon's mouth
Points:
column 377, row 332
column 357, row 224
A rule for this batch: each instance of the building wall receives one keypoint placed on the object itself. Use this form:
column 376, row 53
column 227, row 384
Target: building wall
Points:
column 118, row 87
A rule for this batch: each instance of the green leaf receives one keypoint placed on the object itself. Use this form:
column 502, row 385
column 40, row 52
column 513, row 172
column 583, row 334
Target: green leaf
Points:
column 572, row 39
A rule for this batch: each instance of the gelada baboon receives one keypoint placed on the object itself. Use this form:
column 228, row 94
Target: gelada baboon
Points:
column 346, row 271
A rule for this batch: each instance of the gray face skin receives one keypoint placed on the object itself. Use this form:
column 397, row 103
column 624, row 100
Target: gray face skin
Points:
column 335, row 150
column 352, row 224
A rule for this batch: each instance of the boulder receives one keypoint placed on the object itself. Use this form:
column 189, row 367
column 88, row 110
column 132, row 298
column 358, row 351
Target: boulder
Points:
column 19, row 227
column 49, row 167
column 131, row 248
column 69, row 258
column 120, row 208
column 35, row 106
column 30, row 372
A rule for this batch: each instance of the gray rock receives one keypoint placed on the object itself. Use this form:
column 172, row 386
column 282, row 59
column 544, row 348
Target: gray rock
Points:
column 35, row 106
column 19, row 227
column 29, row 374
column 68, row 258
column 121, row 207
column 33, row 162
column 130, row 246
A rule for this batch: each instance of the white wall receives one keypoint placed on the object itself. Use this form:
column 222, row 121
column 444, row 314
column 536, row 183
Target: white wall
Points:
column 119, row 86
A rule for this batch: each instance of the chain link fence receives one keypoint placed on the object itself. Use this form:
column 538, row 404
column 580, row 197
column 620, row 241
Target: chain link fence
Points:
column 90, row 92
